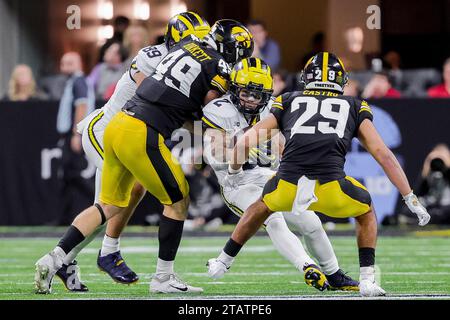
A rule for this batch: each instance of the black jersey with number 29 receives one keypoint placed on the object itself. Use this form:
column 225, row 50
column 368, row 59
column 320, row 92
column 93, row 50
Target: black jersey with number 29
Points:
column 318, row 127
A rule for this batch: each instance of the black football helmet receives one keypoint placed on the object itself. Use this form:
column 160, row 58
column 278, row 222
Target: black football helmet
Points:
column 233, row 40
column 324, row 71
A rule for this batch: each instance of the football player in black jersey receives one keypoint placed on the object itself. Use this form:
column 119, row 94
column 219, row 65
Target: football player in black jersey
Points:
column 319, row 124
column 192, row 73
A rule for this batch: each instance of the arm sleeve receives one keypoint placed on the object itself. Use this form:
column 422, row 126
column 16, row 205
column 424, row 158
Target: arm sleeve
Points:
column 80, row 91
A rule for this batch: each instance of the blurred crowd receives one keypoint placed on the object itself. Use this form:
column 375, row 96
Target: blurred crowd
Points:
column 383, row 78
column 77, row 93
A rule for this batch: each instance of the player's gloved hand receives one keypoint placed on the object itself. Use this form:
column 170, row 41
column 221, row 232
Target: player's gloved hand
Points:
column 416, row 207
column 217, row 268
column 231, row 180
column 261, row 154
column 367, row 285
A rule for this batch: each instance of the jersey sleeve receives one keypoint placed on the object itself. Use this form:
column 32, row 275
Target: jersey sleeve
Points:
column 216, row 115
column 148, row 59
column 277, row 108
column 220, row 75
column 363, row 111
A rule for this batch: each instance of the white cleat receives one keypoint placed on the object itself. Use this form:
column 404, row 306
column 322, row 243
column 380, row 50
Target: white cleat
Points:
column 368, row 288
column 216, row 268
column 170, row 283
column 46, row 268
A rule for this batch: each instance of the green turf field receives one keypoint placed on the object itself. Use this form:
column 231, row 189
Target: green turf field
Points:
column 410, row 267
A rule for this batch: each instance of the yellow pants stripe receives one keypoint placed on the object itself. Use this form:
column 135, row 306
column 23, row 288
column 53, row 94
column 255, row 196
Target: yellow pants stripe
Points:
column 92, row 137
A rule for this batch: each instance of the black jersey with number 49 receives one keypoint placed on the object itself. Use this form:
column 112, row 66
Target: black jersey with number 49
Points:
column 318, row 127
column 179, row 85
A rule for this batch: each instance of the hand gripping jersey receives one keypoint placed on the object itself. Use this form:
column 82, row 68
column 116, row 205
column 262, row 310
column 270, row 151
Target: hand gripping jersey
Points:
column 318, row 127
column 179, row 85
column 223, row 115
column 146, row 61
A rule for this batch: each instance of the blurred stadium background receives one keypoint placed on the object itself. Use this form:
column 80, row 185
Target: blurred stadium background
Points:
column 396, row 51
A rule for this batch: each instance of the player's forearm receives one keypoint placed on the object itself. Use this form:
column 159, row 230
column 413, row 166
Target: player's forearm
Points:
column 139, row 77
column 242, row 148
column 80, row 113
column 216, row 152
column 393, row 170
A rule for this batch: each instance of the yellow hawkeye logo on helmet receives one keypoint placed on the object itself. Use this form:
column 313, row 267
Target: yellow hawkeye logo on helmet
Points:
column 242, row 36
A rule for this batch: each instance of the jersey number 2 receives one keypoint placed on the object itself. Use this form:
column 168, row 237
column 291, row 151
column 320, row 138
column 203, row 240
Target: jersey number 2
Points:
column 177, row 73
column 326, row 110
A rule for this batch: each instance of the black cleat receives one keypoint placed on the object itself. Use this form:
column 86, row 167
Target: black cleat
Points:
column 70, row 277
column 341, row 281
column 114, row 265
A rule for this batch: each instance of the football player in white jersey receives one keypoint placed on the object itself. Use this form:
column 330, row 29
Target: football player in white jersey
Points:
column 92, row 129
column 248, row 101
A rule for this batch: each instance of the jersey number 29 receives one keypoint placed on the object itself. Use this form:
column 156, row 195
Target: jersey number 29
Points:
column 178, row 73
column 326, row 110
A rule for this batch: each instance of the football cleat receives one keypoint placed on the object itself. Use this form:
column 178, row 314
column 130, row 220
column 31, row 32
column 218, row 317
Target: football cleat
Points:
column 114, row 265
column 216, row 268
column 341, row 281
column 170, row 283
column 368, row 288
column 70, row 277
column 46, row 268
column 314, row 277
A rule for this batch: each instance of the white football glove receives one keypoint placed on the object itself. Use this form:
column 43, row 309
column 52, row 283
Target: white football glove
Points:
column 260, row 154
column 217, row 268
column 231, row 180
column 416, row 207
column 367, row 284
column 370, row 289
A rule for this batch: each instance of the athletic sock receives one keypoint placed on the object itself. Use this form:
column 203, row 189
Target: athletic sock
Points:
column 169, row 236
column 226, row 259
column 164, row 267
column 70, row 257
column 109, row 245
column 366, row 257
column 59, row 253
column 71, row 239
column 232, row 248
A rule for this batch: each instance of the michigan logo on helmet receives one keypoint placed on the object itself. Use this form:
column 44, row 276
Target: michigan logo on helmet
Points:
column 251, row 80
column 183, row 25
column 324, row 71
column 233, row 40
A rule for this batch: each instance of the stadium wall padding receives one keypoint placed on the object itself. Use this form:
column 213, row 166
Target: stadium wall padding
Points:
column 29, row 157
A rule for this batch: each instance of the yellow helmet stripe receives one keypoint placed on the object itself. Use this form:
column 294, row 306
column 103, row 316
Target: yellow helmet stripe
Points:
column 325, row 67
column 198, row 18
column 309, row 61
column 258, row 64
column 186, row 22
column 342, row 64
column 245, row 64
